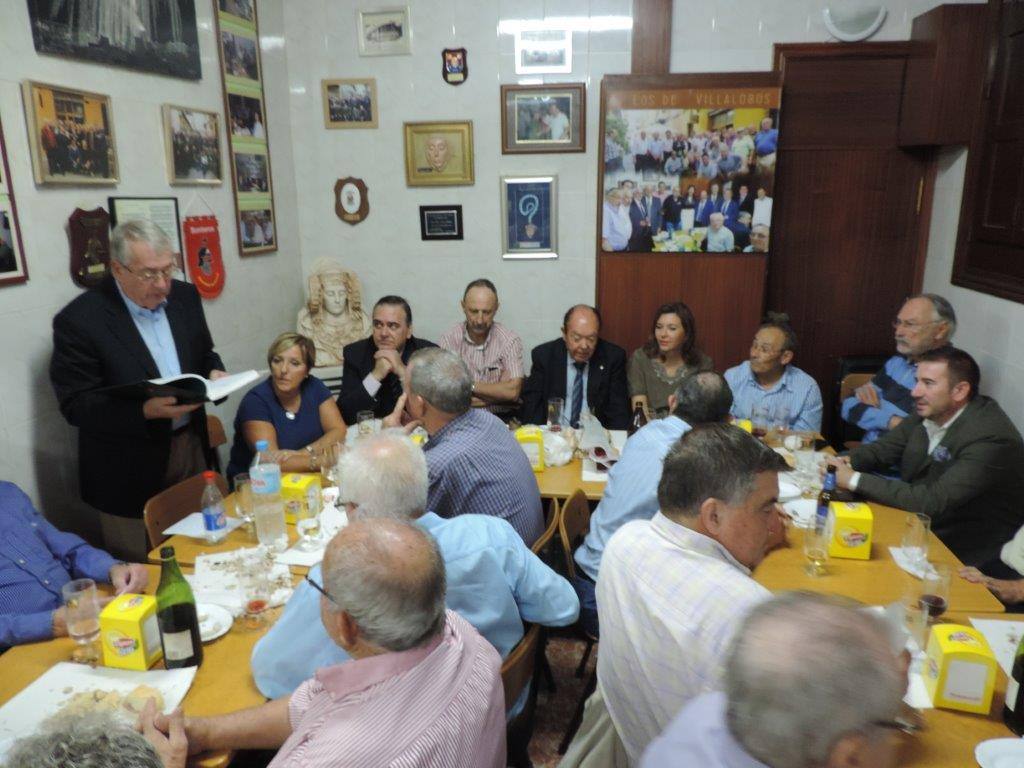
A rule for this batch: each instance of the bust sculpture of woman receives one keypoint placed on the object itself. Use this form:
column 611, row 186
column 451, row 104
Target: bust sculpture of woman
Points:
column 333, row 315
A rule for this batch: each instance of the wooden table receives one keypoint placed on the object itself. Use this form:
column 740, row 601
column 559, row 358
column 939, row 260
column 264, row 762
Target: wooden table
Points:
column 223, row 683
column 559, row 483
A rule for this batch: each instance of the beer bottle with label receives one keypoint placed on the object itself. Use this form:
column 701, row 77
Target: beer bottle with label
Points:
column 1013, row 707
column 828, row 491
column 639, row 419
column 176, row 615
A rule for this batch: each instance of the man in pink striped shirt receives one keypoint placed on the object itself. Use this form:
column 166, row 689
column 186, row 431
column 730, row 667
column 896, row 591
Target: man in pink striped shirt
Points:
column 423, row 687
column 493, row 353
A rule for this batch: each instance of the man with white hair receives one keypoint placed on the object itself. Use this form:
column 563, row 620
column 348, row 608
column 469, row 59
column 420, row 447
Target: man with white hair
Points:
column 494, row 581
column 140, row 323
column 832, row 708
column 719, row 238
column 476, row 466
column 671, row 590
column 422, row 688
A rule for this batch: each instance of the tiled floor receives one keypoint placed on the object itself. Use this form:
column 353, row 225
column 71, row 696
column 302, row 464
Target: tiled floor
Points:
column 555, row 710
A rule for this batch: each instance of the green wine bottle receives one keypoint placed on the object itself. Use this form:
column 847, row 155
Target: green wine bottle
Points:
column 176, row 615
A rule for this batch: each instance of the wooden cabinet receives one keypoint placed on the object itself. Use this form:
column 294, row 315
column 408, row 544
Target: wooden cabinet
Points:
column 944, row 75
column 990, row 243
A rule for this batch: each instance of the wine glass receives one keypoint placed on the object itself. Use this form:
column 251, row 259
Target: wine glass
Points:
column 82, row 615
column 243, row 502
column 556, row 406
column 816, row 549
column 256, row 597
column 915, row 538
column 365, row 423
column 328, row 457
column 760, row 415
column 307, row 523
column 935, row 590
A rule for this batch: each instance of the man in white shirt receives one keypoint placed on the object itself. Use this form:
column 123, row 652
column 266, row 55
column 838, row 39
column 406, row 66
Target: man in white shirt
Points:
column 557, row 123
column 720, row 238
column 672, row 590
column 616, row 227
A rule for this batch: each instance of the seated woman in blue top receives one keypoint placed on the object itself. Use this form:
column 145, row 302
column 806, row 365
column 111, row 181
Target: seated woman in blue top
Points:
column 294, row 412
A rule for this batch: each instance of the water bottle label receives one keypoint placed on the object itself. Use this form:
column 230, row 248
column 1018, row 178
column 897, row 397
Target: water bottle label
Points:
column 264, row 480
column 213, row 518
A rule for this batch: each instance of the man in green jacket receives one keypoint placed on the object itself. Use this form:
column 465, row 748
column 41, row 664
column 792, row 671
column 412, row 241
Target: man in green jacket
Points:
column 961, row 461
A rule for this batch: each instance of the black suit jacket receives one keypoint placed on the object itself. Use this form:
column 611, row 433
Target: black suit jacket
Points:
column 607, row 394
column 122, row 456
column 359, row 361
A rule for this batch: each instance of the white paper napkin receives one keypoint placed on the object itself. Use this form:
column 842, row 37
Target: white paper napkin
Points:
column 802, row 511
column 192, row 525
column 295, row 556
column 911, row 565
column 591, row 474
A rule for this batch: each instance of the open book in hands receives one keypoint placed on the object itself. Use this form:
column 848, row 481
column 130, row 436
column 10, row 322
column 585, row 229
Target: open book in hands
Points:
column 187, row 388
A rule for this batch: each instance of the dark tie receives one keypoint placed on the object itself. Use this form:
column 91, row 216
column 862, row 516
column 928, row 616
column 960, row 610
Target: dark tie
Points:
column 577, row 396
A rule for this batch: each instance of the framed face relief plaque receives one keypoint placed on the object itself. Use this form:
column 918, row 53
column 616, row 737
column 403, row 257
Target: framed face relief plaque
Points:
column 351, row 203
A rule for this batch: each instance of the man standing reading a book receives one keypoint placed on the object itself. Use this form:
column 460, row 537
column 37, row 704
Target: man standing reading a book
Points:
column 139, row 324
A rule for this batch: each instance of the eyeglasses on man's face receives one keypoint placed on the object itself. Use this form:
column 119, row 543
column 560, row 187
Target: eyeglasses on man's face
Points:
column 152, row 275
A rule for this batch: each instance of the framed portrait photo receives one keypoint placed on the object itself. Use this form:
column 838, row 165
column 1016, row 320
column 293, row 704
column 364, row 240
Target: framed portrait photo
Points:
column 440, row 222
column 543, row 118
column 251, row 172
column 350, row 103
column 439, row 154
column 72, row 135
column 256, row 231
column 386, row 32
column 529, row 215
column 245, row 114
column 192, row 146
column 543, row 51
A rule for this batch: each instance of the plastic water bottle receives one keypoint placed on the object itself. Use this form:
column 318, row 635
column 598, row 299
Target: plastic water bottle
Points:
column 214, row 522
column 268, row 511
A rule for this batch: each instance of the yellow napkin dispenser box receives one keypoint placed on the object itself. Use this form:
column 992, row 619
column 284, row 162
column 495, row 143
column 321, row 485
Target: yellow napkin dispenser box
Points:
column 129, row 633
column 745, row 424
column 531, row 439
column 960, row 669
column 852, row 522
column 297, row 486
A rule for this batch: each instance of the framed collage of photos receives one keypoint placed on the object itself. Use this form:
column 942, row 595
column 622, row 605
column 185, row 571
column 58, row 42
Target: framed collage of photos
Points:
column 12, row 253
column 246, row 119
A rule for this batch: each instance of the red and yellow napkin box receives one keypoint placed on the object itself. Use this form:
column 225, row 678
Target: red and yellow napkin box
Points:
column 960, row 669
column 299, row 486
column 852, row 522
column 129, row 632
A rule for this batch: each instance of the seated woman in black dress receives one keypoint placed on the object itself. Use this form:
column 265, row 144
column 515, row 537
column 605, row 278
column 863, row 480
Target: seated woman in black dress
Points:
column 293, row 411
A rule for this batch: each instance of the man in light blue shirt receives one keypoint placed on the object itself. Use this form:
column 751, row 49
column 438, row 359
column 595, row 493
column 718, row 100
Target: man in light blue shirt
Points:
column 837, row 706
column 720, row 238
column 632, row 489
column 494, row 581
column 767, row 388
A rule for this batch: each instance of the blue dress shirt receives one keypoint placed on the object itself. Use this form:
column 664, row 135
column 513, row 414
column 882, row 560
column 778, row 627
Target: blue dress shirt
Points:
column 699, row 735
column 796, row 390
column 570, row 379
column 631, row 492
column 494, row 582
column 894, row 384
column 477, row 466
column 36, row 560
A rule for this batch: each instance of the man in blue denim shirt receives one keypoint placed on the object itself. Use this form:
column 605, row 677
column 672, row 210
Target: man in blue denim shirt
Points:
column 632, row 489
column 36, row 560
column 494, row 581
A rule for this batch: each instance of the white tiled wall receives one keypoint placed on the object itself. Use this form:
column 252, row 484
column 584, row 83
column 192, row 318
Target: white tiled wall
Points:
column 990, row 328
column 262, row 293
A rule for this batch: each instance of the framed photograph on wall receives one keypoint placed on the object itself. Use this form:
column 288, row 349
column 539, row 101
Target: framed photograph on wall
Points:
column 543, row 118
column 245, row 113
column 385, row 32
column 440, row 222
column 71, row 133
column 350, row 103
column 258, row 230
column 688, row 163
column 164, row 41
column 439, row 154
column 241, row 57
column 192, row 146
column 543, row 51
column 12, row 257
column 529, row 217
column 242, row 10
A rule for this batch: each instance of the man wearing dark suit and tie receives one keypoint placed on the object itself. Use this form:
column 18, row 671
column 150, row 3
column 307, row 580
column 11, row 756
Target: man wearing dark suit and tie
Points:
column 728, row 208
column 372, row 374
column 703, row 211
column 961, row 461
column 745, row 200
column 586, row 371
column 138, row 324
column 645, row 216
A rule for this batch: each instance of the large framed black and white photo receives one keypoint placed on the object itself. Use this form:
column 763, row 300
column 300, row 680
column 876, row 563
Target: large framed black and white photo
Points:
column 440, row 222
column 158, row 37
column 529, row 215
column 192, row 144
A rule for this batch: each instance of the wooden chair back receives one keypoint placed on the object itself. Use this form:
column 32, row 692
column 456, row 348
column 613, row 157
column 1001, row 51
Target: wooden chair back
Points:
column 177, row 502
column 573, row 525
column 215, row 432
column 545, row 538
column 850, row 382
column 517, row 669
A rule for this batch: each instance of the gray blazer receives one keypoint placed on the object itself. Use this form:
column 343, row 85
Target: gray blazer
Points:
column 972, row 485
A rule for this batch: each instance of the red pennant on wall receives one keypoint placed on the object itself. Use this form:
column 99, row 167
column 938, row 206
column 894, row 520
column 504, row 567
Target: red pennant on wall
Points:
column 202, row 250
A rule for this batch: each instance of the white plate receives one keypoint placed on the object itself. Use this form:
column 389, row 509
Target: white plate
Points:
column 214, row 621
column 1000, row 753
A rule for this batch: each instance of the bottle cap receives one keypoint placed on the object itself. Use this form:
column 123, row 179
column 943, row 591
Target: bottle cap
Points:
column 166, row 553
column 261, row 445
column 209, row 475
